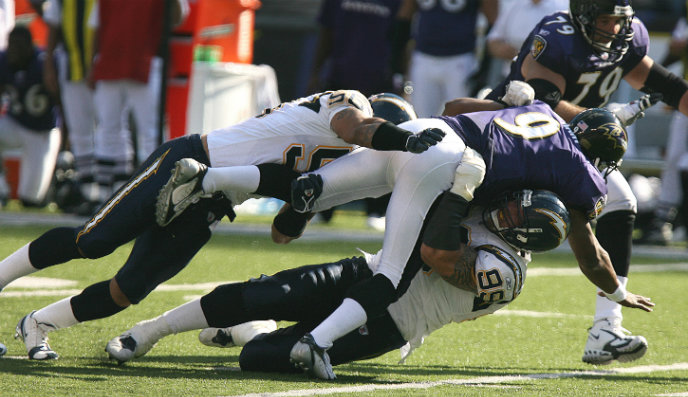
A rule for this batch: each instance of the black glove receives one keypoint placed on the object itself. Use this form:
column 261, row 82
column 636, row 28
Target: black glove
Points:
column 304, row 191
column 422, row 141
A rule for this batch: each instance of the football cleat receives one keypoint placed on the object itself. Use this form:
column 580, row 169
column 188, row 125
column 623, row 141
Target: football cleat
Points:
column 132, row 343
column 35, row 337
column 608, row 341
column 304, row 191
column 185, row 187
column 238, row 335
column 313, row 359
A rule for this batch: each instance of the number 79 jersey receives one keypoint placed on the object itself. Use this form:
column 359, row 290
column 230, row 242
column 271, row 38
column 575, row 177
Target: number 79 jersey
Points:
column 590, row 77
column 295, row 133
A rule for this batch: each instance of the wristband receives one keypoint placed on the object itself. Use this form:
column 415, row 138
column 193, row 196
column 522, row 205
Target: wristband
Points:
column 618, row 295
column 390, row 137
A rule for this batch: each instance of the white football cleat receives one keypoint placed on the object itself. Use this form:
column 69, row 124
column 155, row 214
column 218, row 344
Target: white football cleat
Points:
column 185, row 187
column 313, row 359
column 608, row 341
column 35, row 337
column 133, row 343
column 238, row 335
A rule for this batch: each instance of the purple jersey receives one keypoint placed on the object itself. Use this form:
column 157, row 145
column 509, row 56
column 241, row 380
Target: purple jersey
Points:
column 446, row 27
column 30, row 104
column 591, row 78
column 360, row 45
column 531, row 147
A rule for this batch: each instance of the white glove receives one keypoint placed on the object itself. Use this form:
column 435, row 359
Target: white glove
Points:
column 628, row 113
column 469, row 174
column 518, row 93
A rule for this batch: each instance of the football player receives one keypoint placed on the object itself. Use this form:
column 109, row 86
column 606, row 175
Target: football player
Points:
column 518, row 147
column 575, row 60
column 304, row 134
column 496, row 240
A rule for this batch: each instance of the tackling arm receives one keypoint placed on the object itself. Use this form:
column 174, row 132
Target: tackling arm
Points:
column 532, row 70
column 354, row 127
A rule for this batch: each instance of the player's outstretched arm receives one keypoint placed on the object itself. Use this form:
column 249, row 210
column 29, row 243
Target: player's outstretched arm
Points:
column 595, row 263
column 353, row 126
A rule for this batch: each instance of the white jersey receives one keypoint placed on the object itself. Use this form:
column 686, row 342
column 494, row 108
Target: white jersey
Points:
column 297, row 134
column 430, row 302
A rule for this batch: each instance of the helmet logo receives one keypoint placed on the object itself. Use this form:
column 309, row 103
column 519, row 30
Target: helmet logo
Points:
column 616, row 134
column 557, row 222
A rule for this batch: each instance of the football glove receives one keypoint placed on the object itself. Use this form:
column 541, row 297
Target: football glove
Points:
column 518, row 93
column 628, row 113
column 304, row 191
column 418, row 143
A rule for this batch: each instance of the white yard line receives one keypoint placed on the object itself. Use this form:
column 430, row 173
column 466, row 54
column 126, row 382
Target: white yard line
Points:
column 478, row 381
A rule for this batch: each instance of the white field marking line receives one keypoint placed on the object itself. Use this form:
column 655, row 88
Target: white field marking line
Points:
column 574, row 271
column 682, row 394
column 55, row 283
column 529, row 313
column 479, row 381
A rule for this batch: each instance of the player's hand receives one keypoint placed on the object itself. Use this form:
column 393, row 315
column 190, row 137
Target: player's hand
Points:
column 304, row 191
column 635, row 301
column 418, row 143
column 628, row 113
column 518, row 93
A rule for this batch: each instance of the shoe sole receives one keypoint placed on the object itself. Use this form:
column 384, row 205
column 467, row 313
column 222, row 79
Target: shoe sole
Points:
column 162, row 204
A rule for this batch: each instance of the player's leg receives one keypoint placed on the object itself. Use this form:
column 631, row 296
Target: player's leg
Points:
column 144, row 106
column 670, row 194
column 454, row 77
column 270, row 352
column 79, row 113
column 9, row 140
column 38, row 164
column 607, row 339
column 307, row 293
column 113, row 148
column 425, row 98
column 418, row 181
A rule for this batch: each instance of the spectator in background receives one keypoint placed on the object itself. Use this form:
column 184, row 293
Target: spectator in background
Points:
column 29, row 124
column 513, row 25
column 444, row 56
column 675, row 172
column 353, row 52
column 68, row 58
column 128, row 36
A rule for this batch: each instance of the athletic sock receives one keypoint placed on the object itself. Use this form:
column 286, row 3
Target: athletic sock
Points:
column 606, row 308
column 186, row 317
column 238, row 179
column 346, row 318
column 16, row 265
column 58, row 314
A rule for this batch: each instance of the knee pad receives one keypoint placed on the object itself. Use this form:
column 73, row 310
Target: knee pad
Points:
column 223, row 306
column 94, row 302
column 374, row 295
column 54, row 247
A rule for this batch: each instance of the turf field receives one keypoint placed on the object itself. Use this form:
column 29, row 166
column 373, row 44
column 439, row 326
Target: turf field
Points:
column 532, row 348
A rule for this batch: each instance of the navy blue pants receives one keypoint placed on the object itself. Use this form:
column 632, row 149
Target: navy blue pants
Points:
column 307, row 294
column 158, row 253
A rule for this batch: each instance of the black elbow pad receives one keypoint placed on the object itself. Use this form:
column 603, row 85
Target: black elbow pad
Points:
column 546, row 91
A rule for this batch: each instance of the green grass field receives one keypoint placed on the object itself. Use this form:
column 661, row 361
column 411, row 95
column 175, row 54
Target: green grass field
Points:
column 532, row 349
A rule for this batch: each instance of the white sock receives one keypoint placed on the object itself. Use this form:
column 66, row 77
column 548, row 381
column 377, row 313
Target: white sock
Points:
column 186, row 317
column 605, row 308
column 15, row 266
column 240, row 179
column 346, row 318
column 59, row 314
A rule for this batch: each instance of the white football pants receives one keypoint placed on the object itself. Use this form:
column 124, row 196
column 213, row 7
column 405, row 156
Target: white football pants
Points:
column 415, row 181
